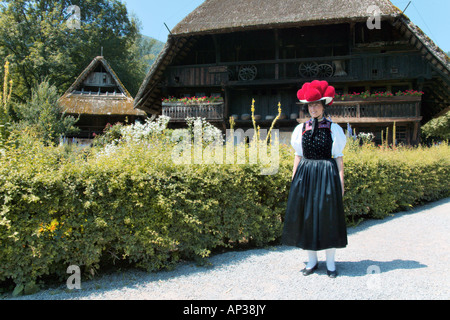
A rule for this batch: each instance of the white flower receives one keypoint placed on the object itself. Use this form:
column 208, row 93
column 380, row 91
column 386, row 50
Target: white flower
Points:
column 141, row 131
column 199, row 127
column 366, row 136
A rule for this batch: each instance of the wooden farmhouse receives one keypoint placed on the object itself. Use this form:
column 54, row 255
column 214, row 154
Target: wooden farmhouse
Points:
column 266, row 50
column 98, row 97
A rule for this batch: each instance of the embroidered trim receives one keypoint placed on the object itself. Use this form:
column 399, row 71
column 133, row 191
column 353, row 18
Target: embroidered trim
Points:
column 323, row 124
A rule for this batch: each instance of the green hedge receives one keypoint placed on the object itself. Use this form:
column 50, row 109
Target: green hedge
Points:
column 97, row 207
column 380, row 181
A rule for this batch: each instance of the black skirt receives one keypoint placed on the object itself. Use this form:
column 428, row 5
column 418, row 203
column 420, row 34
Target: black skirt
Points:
column 315, row 218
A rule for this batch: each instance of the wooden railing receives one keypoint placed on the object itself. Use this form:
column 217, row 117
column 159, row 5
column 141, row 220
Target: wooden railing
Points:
column 389, row 109
column 341, row 111
column 179, row 112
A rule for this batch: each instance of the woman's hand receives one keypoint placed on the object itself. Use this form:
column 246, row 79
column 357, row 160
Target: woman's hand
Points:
column 340, row 164
column 297, row 161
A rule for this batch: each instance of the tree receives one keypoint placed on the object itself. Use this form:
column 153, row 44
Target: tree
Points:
column 44, row 114
column 438, row 127
column 39, row 41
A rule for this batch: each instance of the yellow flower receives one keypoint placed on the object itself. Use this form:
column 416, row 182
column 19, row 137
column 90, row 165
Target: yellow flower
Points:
column 269, row 135
column 53, row 225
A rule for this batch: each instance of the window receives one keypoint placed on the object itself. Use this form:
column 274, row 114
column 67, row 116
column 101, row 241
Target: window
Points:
column 400, row 134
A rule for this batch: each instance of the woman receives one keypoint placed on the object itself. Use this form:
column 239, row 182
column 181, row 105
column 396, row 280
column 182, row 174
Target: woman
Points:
column 315, row 219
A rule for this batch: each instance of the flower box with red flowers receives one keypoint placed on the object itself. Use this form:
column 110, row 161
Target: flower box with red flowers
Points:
column 178, row 109
column 191, row 101
column 408, row 95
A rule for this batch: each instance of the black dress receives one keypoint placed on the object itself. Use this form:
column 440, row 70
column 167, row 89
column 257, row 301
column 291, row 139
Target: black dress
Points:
column 315, row 218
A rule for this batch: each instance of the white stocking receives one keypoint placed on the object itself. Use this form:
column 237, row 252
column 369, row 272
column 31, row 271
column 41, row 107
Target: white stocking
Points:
column 331, row 266
column 312, row 256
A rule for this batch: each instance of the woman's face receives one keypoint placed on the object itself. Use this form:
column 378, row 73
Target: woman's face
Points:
column 315, row 109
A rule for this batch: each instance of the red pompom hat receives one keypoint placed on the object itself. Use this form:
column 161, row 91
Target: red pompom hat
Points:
column 316, row 91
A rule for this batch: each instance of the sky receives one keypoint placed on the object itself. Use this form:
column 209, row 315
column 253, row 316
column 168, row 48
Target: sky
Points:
column 430, row 15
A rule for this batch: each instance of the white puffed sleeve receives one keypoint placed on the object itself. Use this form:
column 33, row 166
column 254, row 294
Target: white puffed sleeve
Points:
column 296, row 140
column 339, row 140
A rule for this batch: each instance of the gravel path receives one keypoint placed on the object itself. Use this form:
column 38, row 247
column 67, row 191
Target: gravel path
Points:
column 402, row 257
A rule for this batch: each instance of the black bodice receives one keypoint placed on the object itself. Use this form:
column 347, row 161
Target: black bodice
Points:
column 318, row 146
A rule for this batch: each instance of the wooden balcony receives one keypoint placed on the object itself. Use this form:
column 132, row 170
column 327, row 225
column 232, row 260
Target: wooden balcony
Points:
column 178, row 112
column 382, row 110
column 372, row 110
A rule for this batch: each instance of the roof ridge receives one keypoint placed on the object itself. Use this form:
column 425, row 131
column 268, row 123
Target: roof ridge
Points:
column 90, row 68
column 223, row 15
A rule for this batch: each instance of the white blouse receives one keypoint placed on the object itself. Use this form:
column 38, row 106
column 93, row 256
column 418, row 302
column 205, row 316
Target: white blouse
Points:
column 337, row 134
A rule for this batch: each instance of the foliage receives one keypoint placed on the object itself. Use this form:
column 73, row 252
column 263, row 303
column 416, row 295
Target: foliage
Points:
column 137, row 132
column 38, row 40
column 438, row 127
column 366, row 137
column 127, row 203
column 44, row 114
column 131, row 205
column 149, row 50
column 111, row 135
column 380, row 181
column 193, row 100
column 386, row 94
column 198, row 127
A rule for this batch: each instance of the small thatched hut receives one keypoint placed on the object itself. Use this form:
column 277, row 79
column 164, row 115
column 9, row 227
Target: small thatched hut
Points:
column 99, row 97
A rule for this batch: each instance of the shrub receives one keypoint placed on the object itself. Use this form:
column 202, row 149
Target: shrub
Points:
column 438, row 127
column 43, row 113
column 380, row 181
column 128, row 202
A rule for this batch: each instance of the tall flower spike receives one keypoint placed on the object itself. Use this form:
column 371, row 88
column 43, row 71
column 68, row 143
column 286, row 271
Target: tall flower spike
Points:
column 5, row 83
column 253, row 115
column 10, row 90
column 269, row 135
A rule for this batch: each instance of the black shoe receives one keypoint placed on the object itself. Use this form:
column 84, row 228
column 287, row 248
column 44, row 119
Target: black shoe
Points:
column 332, row 274
column 308, row 272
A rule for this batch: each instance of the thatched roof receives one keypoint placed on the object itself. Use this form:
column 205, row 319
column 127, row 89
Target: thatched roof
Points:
column 421, row 41
column 75, row 101
column 214, row 16
column 226, row 16
column 102, row 105
column 147, row 98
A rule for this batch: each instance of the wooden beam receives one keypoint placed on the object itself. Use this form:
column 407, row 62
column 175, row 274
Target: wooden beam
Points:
column 415, row 138
column 277, row 54
column 227, row 102
column 216, row 47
